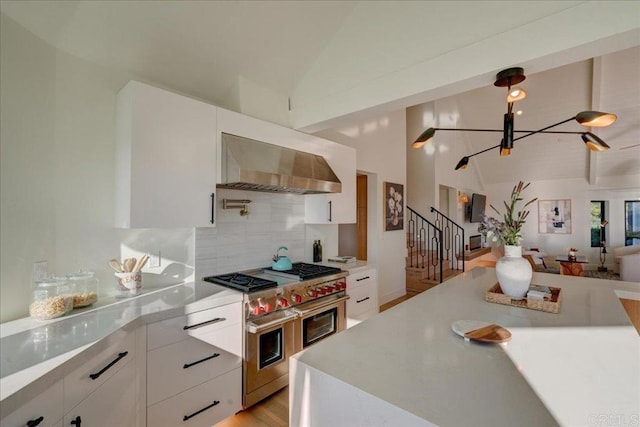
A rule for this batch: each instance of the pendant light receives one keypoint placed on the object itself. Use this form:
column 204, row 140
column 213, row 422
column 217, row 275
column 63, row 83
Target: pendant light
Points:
column 513, row 76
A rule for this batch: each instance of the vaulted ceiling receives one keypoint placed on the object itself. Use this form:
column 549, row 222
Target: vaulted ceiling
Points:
column 338, row 61
column 608, row 83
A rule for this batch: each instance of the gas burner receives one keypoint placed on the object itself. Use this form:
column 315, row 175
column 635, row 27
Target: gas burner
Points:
column 305, row 271
column 242, row 282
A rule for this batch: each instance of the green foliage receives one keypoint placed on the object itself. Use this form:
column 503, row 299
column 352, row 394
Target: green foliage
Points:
column 514, row 218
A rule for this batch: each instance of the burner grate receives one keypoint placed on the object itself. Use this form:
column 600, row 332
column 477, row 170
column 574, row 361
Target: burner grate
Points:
column 306, row 271
column 241, row 282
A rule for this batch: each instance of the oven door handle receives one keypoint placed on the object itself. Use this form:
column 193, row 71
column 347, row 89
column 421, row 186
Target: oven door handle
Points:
column 255, row 328
column 319, row 305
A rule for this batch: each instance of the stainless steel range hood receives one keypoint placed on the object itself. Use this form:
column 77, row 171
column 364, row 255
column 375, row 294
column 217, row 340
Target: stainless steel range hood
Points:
column 248, row 164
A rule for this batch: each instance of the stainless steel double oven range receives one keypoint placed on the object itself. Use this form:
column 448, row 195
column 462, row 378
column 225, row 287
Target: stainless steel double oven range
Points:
column 285, row 312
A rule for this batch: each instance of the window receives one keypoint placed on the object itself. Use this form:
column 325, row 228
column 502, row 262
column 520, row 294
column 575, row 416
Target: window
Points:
column 632, row 222
column 597, row 219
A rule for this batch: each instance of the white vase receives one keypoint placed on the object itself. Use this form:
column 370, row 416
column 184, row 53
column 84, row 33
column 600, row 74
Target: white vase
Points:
column 514, row 273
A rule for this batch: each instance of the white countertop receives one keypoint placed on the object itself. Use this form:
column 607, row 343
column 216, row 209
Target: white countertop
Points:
column 567, row 368
column 32, row 349
column 351, row 267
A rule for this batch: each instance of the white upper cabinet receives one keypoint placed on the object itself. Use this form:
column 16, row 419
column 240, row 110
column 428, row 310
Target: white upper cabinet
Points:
column 165, row 159
column 335, row 208
column 338, row 208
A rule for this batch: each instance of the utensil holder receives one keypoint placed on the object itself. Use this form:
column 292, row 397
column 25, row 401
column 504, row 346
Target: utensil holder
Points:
column 128, row 284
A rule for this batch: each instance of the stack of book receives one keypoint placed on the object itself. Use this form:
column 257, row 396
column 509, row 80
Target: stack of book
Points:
column 538, row 292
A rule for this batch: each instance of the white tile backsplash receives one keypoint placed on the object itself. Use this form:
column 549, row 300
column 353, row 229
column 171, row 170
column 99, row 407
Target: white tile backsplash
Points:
column 244, row 242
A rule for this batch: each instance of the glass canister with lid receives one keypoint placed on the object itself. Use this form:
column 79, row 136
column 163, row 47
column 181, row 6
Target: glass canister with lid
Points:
column 50, row 298
column 84, row 288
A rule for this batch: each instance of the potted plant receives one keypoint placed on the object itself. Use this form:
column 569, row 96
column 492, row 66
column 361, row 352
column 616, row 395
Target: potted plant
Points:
column 514, row 272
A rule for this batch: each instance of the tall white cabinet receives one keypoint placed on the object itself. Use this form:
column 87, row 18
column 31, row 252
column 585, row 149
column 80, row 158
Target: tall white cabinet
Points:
column 165, row 159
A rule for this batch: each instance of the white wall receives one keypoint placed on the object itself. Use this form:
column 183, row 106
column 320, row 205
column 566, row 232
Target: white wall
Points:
column 433, row 165
column 581, row 194
column 380, row 152
column 57, row 182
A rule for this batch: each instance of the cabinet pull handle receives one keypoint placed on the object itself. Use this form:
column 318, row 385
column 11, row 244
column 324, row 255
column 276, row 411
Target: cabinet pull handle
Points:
column 197, row 325
column 213, row 207
column 186, row 417
column 77, row 421
column 361, row 300
column 116, row 360
column 188, row 365
column 34, row 423
column 363, row 278
column 330, row 203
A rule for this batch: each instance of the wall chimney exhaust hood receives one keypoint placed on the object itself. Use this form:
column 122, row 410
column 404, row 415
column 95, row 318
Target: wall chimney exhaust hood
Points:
column 252, row 165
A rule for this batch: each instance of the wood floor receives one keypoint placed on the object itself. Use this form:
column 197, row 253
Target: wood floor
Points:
column 271, row 412
column 274, row 410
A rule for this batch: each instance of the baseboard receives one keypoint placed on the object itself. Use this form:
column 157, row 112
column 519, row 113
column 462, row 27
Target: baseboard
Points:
column 391, row 296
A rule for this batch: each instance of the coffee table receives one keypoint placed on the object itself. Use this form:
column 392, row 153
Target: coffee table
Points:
column 572, row 267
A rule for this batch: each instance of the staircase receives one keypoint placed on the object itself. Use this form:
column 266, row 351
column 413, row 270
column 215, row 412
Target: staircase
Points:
column 434, row 250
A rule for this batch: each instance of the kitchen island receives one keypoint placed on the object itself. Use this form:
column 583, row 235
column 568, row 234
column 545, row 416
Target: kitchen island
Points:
column 407, row 367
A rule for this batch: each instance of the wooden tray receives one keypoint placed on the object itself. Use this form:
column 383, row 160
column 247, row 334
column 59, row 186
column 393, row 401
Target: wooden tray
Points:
column 551, row 305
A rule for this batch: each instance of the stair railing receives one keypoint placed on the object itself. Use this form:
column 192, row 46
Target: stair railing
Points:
column 453, row 235
column 424, row 244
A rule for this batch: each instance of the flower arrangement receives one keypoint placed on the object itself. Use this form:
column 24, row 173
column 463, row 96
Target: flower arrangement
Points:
column 508, row 231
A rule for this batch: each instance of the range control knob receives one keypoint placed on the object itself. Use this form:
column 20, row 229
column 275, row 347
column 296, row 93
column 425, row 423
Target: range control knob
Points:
column 282, row 302
column 330, row 288
column 341, row 285
column 313, row 293
column 322, row 291
column 296, row 298
column 254, row 308
column 265, row 306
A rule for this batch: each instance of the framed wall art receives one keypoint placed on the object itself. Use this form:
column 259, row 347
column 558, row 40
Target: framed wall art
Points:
column 554, row 216
column 393, row 206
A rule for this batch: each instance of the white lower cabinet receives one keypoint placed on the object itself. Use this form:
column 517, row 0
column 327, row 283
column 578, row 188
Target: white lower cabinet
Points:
column 44, row 410
column 194, row 368
column 362, row 288
column 83, row 380
column 203, row 405
column 114, row 403
column 184, row 365
column 218, row 326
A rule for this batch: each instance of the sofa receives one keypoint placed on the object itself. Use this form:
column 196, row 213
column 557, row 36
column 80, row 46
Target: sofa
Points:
column 630, row 267
column 622, row 251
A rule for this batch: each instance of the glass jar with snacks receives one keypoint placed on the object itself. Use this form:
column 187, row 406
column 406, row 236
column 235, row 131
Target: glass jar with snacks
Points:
column 50, row 298
column 84, row 288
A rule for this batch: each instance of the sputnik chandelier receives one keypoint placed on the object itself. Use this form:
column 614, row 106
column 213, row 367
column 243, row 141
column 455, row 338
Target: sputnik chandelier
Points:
column 513, row 76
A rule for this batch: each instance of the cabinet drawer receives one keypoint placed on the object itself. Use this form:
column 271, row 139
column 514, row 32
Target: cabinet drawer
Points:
column 112, row 404
column 83, row 380
column 201, row 323
column 355, row 280
column 363, row 299
column 47, row 405
column 167, row 374
column 226, row 390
